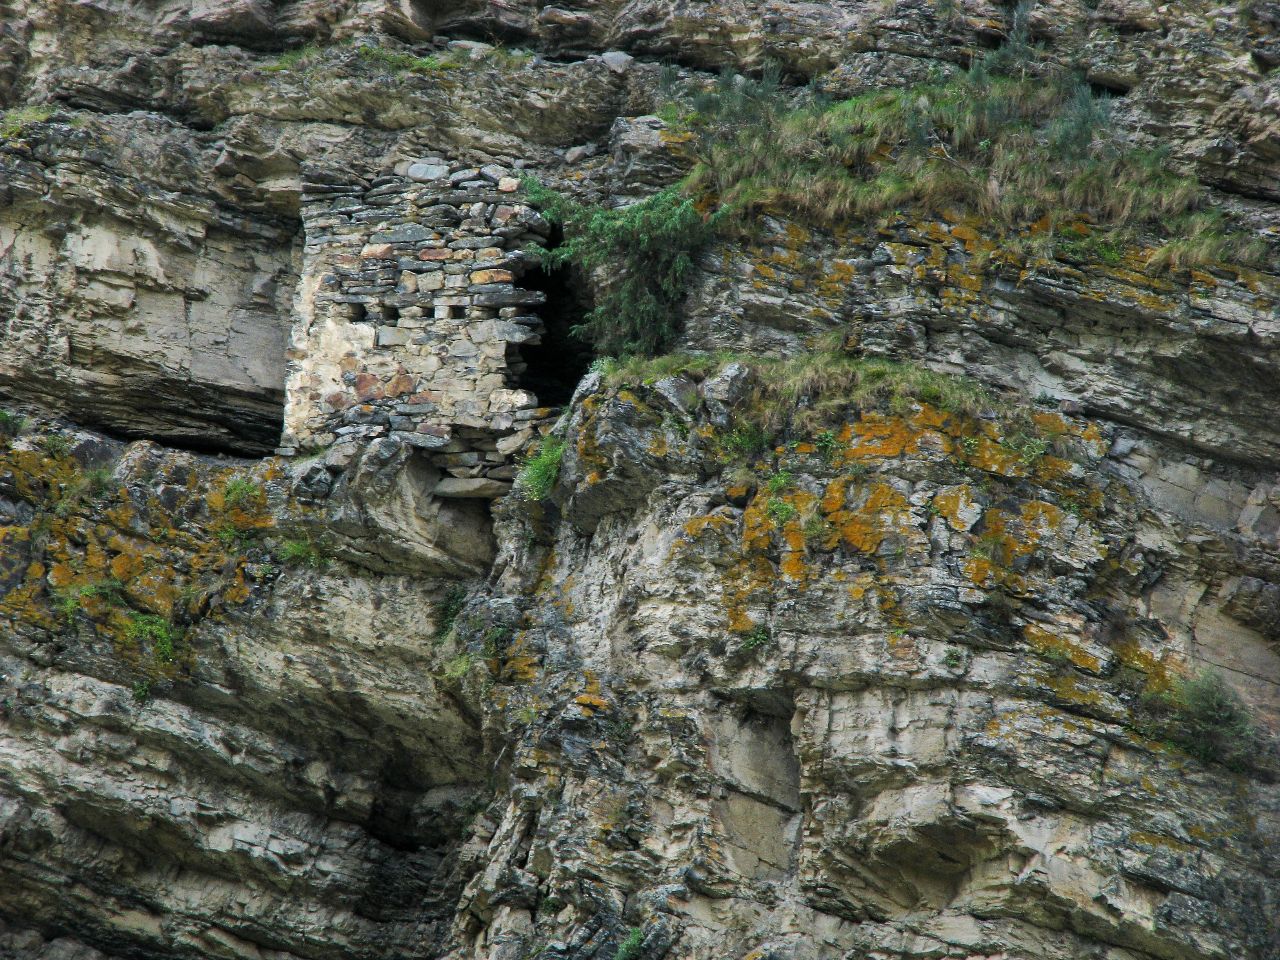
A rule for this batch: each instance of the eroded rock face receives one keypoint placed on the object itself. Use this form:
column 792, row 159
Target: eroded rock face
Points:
column 884, row 692
column 145, row 307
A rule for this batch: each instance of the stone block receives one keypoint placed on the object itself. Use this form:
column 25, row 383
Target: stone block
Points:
column 427, row 172
column 422, row 441
column 393, row 336
column 492, row 276
column 511, row 297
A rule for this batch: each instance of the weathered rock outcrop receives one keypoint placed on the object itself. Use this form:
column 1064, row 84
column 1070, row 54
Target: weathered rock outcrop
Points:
column 889, row 686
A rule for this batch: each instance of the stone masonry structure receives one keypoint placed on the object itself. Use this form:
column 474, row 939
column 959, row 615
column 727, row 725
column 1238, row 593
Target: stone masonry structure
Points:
column 409, row 322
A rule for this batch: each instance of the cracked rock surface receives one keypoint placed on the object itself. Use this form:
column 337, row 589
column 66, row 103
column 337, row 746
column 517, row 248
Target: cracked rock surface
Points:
column 886, row 689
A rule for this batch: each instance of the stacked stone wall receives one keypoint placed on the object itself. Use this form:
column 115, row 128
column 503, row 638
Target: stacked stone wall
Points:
column 409, row 319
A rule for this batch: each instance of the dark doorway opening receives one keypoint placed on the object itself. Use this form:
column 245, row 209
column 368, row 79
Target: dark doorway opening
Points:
column 553, row 368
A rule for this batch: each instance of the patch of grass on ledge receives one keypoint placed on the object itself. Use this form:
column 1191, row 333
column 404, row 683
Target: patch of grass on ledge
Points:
column 402, row 62
column 1016, row 141
column 809, row 390
column 295, row 58
column 14, row 122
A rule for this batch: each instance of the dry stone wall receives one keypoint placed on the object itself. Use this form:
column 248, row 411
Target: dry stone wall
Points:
column 409, row 320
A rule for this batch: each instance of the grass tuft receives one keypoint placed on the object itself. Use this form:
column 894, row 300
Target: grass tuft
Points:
column 301, row 553
column 14, row 122
column 292, row 59
column 540, row 471
column 239, row 492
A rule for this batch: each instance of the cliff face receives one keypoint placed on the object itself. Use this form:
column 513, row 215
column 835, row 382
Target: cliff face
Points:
column 882, row 622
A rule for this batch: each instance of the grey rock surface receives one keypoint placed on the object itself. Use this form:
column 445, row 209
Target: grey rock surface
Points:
column 888, row 691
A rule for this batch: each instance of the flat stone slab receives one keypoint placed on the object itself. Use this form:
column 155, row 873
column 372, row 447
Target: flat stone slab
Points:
column 480, row 487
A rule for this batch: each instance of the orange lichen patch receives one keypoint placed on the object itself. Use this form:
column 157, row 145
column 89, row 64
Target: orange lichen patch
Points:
column 959, row 277
column 988, row 454
column 699, row 525
column 901, row 645
column 1094, row 438
column 1052, row 645
column 978, row 569
column 1160, row 840
column 518, row 664
column 125, row 566
column 862, row 583
column 1053, row 424
column 658, row 447
column 746, row 579
column 591, row 705
column 1039, row 520
column 1006, row 538
column 1162, row 673
column 1066, row 687
column 956, row 506
column 884, row 511
column 1049, row 469
column 61, row 575
column 671, row 137
column 883, row 436
column 757, row 527
column 238, row 590
column 833, row 498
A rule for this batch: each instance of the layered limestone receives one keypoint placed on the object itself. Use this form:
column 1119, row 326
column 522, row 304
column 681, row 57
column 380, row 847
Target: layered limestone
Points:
column 148, row 308
column 885, row 687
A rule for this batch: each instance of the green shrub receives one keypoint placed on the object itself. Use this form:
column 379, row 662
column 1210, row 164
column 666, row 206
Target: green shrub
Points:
column 779, row 481
column 744, row 442
column 539, row 472
column 110, row 590
column 756, row 638
column 241, row 492
column 780, row 511
column 642, row 256
column 826, row 443
column 150, row 630
column 11, row 424
column 56, row 445
column 459, row 667
column 447, row 612
column 1028, row 448
column 90, row 485
column 302, row 553
column 68, row 604
column 292, row 59
column 629, row 949
column 1206, row 718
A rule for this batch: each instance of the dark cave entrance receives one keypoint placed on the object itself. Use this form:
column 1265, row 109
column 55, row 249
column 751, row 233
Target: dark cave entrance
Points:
column 553, row 368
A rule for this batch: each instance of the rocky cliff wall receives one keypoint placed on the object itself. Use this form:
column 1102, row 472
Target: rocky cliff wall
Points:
column 890, row 683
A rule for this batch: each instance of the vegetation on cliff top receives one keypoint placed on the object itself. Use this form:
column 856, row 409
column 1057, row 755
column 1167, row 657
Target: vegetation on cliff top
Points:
column 1019, row 143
